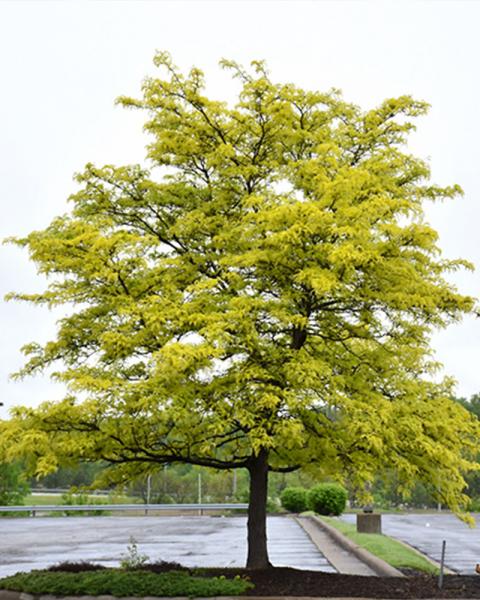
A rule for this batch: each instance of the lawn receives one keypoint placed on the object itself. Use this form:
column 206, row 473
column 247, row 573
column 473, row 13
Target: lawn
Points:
column 42, row 499
column 56, row 499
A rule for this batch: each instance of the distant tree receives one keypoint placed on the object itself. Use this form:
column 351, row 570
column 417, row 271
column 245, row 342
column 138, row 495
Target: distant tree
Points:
column 13, row 485
column 388, row 492
column 182, row 483
column 81, row 475
column 472, row 404
column 263, row 299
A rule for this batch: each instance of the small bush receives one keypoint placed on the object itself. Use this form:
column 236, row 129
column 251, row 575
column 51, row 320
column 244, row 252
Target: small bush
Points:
column 294, row 499
column 327, row 499
column 133, row 559
column 72, row 498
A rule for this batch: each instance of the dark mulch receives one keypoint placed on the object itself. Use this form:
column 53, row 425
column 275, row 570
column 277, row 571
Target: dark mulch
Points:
column 157, row 567
column 75, row 567
column 164, row 566
column 279, row 581
column 283, row 581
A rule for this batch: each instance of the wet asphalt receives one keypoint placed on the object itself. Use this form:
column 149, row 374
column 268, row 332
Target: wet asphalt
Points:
column 427, row 531
column 38, row 542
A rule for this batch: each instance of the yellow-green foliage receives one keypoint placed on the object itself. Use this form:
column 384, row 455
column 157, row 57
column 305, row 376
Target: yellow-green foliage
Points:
column 270, row 284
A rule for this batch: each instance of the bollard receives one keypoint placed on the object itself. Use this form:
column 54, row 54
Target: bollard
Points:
column 369, row 523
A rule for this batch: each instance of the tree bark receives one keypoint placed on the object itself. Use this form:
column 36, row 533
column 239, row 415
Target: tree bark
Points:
column 257, row 512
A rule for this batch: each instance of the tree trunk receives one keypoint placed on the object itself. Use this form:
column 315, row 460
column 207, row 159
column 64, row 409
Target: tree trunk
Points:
column 257, row 512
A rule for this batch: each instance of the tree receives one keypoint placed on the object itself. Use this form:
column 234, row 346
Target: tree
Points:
column 185, row 484
column 13, row 487
column 262, row 298
column 80, row 475
column 472, row 404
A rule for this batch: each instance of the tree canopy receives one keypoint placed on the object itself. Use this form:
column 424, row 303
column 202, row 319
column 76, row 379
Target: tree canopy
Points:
column 261, row 297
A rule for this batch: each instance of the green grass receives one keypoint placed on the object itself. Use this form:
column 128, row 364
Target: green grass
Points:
column 123, row 583
column 391, row 551
column 56, row 499
column 42, row 500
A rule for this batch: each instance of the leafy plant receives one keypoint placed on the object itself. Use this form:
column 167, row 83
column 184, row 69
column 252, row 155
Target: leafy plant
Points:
column 133, row 559
column 294, row 499
column 327, row 499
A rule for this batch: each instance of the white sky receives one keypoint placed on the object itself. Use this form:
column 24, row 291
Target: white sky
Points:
column 64, row 63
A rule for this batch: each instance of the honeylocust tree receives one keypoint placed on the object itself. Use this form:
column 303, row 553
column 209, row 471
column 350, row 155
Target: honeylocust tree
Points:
column 261, row 298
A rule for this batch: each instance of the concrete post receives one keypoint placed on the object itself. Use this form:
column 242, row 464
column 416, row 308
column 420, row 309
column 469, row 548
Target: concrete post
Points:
column 369, row 523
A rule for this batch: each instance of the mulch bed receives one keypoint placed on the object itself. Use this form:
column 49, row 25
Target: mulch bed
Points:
column 283, row 581
column 279, row 581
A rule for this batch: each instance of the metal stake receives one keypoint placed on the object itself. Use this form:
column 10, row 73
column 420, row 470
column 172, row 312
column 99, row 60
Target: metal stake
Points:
column 442, row 564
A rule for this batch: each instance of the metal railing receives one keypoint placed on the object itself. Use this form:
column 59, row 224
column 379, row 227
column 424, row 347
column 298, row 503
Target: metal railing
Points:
column 34, row 509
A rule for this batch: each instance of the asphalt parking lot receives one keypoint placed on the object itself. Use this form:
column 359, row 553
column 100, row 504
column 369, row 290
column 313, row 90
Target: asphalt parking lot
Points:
column 33, row 543
column 427, row 531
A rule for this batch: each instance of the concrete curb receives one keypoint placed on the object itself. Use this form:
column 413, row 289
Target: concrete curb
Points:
column 376, row 564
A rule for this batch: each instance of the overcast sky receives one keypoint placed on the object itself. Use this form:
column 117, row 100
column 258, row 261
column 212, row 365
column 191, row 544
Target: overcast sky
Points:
column 64, row 63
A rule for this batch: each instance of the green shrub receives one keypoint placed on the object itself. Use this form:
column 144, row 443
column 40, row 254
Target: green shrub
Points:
column 474, row 505
column 327, row 499
column 294, row 499
column 123, row 583
column 73, row 498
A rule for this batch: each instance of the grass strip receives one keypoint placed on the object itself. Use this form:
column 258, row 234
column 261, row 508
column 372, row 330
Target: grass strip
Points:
column 391, row 551
column 42, row 499
column 122, row 583
column 57, row 499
